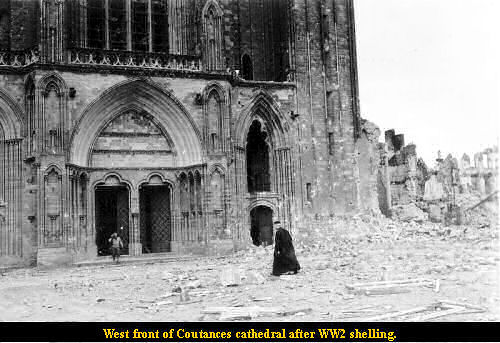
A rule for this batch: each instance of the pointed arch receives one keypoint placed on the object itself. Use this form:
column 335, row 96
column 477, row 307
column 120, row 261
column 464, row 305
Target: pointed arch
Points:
column 217, row 167
column 11, row 117
column 264, row 109
column 53, row 80
column 160, row 103
column 212, row 4
column 214, row 119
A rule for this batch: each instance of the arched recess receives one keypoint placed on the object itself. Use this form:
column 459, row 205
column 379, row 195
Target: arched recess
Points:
column 263, row 108
column 51, row 221
column 261, row 215
column 217, row 204
column 51, row 131
column 264, row 118
column 31, row 118
column 132, row 139
column 190, row 225
column 258, row 158
column 246, row 67
column 11, row 176
column 212, row 19
column 151, row 98
column 215, row 118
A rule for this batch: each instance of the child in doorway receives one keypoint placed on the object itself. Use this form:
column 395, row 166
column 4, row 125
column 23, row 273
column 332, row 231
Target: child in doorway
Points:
column 116, row 245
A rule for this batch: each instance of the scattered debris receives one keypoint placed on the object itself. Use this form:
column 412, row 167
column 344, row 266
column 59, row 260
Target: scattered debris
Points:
column 244, row 313
column 409, row 212
column 435, row 310
column 255, row 278
column 391, row 287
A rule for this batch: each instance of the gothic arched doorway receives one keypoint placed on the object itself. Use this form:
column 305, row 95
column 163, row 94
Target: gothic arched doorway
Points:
column 261, row 229
column 111, row 215
column 258, row 173
column 155, row 217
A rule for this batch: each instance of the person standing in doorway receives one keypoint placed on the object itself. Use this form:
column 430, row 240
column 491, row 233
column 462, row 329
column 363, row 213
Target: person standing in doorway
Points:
column 285, row 261
column 116, row 245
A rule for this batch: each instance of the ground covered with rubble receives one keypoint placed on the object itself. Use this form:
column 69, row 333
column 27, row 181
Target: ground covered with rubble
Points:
column 364, row 267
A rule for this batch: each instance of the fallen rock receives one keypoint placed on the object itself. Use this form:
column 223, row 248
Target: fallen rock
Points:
column 255, row 278
column 193, row 284
column 230, row 277
column 409, row 212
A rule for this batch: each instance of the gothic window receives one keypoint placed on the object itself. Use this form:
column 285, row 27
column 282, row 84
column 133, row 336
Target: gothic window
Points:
column 95, row 24
column 246, row 67
column 258, row 172
column 76, row 14
column 117, row 22
column 212, row 27
column 53, row 117
column 140, row 27
column 159, row 25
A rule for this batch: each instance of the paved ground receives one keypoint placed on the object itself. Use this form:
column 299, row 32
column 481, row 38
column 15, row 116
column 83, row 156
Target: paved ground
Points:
column 467, row 265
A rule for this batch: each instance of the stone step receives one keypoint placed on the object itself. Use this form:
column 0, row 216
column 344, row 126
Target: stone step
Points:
column 143, row 259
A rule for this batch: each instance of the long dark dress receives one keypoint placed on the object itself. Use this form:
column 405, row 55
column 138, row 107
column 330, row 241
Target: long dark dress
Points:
column 284, row 254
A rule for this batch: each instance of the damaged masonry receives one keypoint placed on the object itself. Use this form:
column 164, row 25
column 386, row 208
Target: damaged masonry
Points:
column 191, row 127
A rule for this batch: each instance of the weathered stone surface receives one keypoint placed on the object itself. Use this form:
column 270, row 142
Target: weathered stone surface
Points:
column 78, row 122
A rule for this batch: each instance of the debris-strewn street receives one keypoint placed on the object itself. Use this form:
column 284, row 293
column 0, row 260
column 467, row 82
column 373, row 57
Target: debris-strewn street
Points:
column 359, row 268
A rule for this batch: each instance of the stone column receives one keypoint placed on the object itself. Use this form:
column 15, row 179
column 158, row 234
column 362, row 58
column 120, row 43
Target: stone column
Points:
column 134, row 244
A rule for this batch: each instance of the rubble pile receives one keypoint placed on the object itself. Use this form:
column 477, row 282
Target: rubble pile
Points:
column 484, row 215
column 342, row 233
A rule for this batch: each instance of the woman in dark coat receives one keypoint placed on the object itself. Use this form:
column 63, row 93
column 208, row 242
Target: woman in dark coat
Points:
column 284, row 254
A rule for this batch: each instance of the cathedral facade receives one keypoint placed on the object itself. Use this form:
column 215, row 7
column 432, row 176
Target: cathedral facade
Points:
column 187, row 126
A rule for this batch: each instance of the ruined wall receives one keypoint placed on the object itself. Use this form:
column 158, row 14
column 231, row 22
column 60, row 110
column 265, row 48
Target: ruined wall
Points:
column 479, row 175
column 327, row 105
column 407, row 173
column 369, row 161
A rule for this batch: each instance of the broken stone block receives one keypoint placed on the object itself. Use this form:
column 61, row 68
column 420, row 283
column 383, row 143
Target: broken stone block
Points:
column 255, row 278
column 435, row 214
column 230, row 277
column 193, row 284
column 185, row 296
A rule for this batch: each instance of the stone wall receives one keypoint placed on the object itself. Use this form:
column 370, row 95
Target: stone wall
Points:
column 66, row 107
